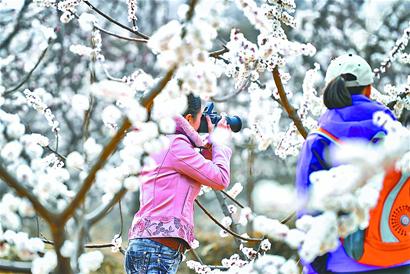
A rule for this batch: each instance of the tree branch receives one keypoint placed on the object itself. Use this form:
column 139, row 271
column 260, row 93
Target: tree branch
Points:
column 225, row 228
column 106, row 153
column 8, row 92
column 114, row 21
column 146, row 101
column 148, row 98
column 16, row 28
column 96, row 215
column 120, row 36
column 293, row 115
column 13, row 266
column 23, row 192
column 230, row 96
column 217, row 53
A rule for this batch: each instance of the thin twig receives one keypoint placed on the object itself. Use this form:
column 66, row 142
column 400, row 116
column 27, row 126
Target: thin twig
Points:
column 115, row 21
column 137, row 40
column 288, row 218
column 196, row 256
column 230, row 96
column 104, row 245
column 100, row 212
column 121, row 218
column 217, row 53
column 232, row 199
column 5, row 43
column 56, row 153
column 109, row 76
column 27, row 77
column 225, row 228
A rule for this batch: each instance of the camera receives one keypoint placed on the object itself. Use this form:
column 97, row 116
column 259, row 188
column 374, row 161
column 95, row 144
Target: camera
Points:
column 234, row 122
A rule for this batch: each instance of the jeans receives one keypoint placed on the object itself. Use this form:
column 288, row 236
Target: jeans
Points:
column 145, row 256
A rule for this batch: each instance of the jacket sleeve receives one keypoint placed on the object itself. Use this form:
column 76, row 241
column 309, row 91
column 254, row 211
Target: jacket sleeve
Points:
column 188, row 161
column 311, row 158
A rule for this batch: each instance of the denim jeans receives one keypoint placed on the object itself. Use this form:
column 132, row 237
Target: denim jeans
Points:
column 145, row 256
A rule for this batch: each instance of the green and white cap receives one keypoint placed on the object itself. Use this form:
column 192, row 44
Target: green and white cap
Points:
column 353, row 64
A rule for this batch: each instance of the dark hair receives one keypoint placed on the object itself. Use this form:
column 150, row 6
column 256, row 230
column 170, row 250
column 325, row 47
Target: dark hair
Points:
column 337, row 95
column 194, row 105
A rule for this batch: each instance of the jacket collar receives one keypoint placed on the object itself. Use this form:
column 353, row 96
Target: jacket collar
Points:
column 183, row 127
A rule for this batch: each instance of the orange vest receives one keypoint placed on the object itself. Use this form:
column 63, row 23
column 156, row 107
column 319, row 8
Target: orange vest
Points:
column 386, row 240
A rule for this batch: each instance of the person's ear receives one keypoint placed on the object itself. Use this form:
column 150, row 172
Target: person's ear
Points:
column 367, row 91
column 189, row 118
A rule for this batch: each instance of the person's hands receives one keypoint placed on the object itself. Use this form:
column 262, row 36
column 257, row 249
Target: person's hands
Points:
column 210, row 125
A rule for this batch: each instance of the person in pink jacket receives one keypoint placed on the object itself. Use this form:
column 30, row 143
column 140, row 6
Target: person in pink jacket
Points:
column 163, row 228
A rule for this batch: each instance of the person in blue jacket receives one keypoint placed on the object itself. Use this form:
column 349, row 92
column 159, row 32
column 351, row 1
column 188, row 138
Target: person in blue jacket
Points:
column 349, row 114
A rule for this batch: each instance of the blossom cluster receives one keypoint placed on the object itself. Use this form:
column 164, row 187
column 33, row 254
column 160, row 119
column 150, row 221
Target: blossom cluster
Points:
column 263, row 264
column 187, row 45
column 93, row 52
column 400, row 45
column 247, row 60
column 12, row 208
column 35, row 101
column 19, row 245
column 132, row 10
column 68, row 7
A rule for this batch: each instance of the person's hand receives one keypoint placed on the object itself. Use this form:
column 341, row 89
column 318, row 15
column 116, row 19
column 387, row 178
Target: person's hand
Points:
column 223, row 124
column 210, row 125
column 224, row 131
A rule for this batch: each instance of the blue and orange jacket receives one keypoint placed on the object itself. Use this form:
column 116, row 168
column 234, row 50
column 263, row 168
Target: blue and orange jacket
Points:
column 355, row 121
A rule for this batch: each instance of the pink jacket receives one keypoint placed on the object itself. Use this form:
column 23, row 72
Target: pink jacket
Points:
column 169, row 189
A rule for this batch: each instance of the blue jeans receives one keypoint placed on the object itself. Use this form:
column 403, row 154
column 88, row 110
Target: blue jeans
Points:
column 145, row 256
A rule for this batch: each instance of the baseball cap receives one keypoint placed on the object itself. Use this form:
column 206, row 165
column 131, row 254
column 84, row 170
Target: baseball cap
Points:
column 353, row 64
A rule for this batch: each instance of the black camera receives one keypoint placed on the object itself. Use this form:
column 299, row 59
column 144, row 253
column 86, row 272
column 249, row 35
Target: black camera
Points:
column 234, row 122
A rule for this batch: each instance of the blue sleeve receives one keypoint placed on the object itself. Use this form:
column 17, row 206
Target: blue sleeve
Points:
column 311, row 158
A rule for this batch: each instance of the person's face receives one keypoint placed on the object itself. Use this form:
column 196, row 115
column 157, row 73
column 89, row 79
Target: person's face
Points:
column 195, row 122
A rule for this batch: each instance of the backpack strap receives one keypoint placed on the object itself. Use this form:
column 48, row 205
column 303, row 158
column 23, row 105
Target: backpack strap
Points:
column 326, row 134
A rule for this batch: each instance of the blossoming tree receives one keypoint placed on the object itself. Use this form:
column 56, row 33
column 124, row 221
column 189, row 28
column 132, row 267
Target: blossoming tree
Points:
column 76, row 125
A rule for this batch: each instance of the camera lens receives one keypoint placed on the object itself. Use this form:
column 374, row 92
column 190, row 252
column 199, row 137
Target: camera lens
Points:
column 234, row 122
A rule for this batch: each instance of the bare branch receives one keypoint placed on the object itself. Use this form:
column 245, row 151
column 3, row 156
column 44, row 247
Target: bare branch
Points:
column 14, row 267
column 96, row 215
column 27, row 77
column 5, row 43
column 115, row 21
column 217, row 53
column 232, row 199
column 190, row 12
column 137, row 40
column 293, row 115
column 232, row 95
column 225, row 228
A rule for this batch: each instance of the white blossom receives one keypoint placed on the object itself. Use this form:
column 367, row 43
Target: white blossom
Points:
column 116, row 241
column 90, row 261
column 132, row 183
column 87, row 21
column 75, row 160
column 45, row 264
column 68, row 248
